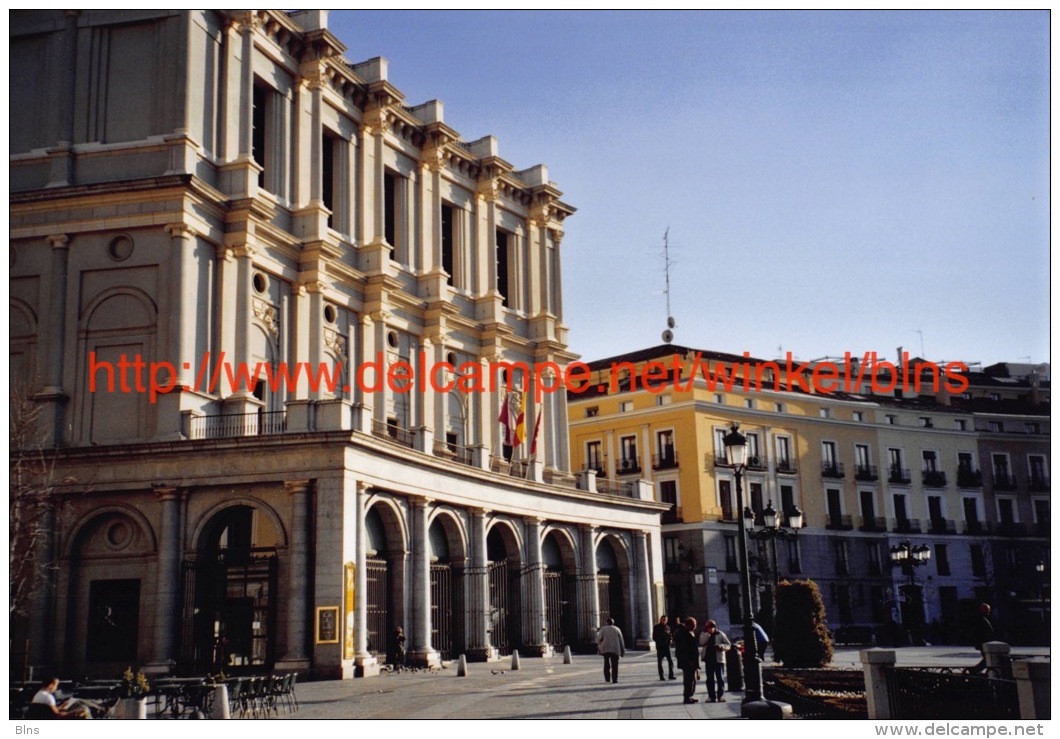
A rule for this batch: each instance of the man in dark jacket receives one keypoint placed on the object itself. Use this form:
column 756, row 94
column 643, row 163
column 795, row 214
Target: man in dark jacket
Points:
column 983, row 631
column 662, row 638
column 686, row 649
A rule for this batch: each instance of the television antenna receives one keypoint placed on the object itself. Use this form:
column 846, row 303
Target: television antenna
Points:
column 668, row 334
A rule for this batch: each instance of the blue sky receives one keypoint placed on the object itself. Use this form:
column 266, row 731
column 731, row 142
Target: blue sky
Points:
column 831, row 181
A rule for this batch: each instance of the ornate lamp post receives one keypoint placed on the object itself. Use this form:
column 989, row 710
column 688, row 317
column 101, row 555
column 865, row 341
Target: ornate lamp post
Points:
column 754, row 706
column 908, row 557
column 771, row 531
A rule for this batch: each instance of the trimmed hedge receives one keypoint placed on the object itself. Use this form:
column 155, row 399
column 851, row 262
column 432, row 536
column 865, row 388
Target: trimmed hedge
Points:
column 801, row 633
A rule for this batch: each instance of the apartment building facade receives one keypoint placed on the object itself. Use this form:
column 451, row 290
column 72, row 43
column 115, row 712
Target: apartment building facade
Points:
column 201, row 195
column 868, row 471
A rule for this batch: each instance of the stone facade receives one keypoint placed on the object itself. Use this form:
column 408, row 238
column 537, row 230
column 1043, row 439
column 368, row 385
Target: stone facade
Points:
column 210, row 192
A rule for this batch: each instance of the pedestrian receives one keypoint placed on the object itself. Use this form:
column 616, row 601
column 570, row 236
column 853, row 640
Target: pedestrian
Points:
column 715, row 644
column 687, row 652
column 399, row 648
column 982, row 632
column 612, row 646
column 662, row 636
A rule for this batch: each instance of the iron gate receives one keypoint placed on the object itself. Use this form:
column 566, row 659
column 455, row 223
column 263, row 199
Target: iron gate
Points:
column 229, row 612
column 603, row 590
column 936, row 693
column 559, row 609
column 505, row 621
column 378, row 616
column 442, row 609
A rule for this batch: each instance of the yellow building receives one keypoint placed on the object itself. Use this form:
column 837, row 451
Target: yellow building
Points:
column 868, row 470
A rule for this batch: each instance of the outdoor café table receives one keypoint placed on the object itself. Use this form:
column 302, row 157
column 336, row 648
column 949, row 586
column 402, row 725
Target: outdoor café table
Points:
column 176, row 695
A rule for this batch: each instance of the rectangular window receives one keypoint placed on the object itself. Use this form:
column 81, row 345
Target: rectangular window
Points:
column 725, row 500
column 787, row 499
column 858, row 416
column 900, row 514
column 719, row 446
column 861, row 456
column 1033, row 427
column 1002, row 477
column 327, row 174
column 748, row 403
column 897, row 471
column 1039, row 476
column 828, row 455
column 930, row 461
column 668, row 494
column 593, row 460
column 839, row 549
column 754, row 451
column 868, row 508
column 756, row 499
column 971, row 509
column 626, row 406
column 592, row 411
column 1006, row 511
column 935, row 509
column 629, row 462
column 719, row 399
column 942, row 559
column 783, row 452
column 794, row 559
column 333, row 180
column 778, row 407
column 835, row 507
column 448, row 228
column 925, row 422
column 997, row 427
column 393, row 191
column 873, row 551
column 825, row 412
column 960, row 424
column 502, row 265
column 978, row 560
column 731, row 564
column 261, row 135
column 672, row 553
column 892, row 420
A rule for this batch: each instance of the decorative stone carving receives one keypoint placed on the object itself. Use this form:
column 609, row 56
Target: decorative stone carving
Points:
column 267, row 315
column 335, row 341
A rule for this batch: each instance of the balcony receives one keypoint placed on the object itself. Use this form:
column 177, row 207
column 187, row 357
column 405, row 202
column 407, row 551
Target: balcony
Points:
column 226, row 426
column 969, row 478
column 832, row 470
column 1004, row 480
column 716, row 460
column 976, row 527
column 393, row 432
column 866, row 473
column 942, row 526
column 839, row 523
column 728, row 513
column 621, row 489
column 899, row 476
column 1010, row 528
column 873, row 523
column 756, row 463
column 627, row 466
column 1039, row 483
column 934, row 479
column 786, row 467
column 453, row 451
column 665, row 461
column 905, row 526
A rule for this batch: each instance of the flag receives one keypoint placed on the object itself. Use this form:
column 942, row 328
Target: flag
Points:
column 520, row 420
column 537, row 430
column 507, row 420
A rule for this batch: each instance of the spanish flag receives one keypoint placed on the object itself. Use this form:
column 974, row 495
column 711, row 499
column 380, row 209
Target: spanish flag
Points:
column 520, row 419
column 513, row 418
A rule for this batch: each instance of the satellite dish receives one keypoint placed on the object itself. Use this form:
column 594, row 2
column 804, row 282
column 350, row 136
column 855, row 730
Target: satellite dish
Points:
column 667, row 336
column 671, row 322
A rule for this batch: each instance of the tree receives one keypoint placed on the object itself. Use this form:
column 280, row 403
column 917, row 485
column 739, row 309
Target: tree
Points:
column 800, row 636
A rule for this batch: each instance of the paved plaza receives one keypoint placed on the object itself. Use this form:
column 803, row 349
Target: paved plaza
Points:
column 548, row 689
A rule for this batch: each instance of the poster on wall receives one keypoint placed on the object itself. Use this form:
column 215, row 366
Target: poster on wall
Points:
column 347, row 589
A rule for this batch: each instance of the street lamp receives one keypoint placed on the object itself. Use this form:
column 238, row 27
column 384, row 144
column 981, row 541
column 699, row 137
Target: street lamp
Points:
column 771, row 531
column 908, row 557
column 754, row 706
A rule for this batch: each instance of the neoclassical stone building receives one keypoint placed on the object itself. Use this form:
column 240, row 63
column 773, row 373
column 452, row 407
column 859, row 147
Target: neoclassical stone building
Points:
column 219, row 191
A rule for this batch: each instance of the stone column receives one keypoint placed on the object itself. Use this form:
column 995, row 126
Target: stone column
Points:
column 875, row 663
column 534, row 636
column 587, row 588
column 420, row 651
column 557, row 308
column 181, row 311
column 423, row 402
column 478, row 645
column 642, row 573
column 365, row 664
column 51, row 350
column 1032, row 687
column 297, row 577
column 166, row 602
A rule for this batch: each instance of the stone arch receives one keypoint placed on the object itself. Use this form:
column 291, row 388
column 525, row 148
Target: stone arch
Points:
column 115, row 309
column 208, row 516
column 111, row 574
column 454, row 530
column 22, row 323
column 508, row 532
column 448, row 544
column 559, row 555
column 504, row 554
column 387, row 565
column 612, row 555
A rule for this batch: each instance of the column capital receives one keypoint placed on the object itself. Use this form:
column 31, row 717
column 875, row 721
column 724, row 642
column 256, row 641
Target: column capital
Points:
column 165, row 492
column 177, row 230
column 483, row 512
column 640, row 535
column 243, row 251
column 533, row 520
column 295, row 486
column 58, row 241
column 420, row 501
column 363, row 487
